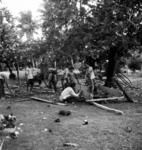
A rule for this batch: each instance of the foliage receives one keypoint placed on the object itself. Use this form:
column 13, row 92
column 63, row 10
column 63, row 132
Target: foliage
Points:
column 8, row 38
column 61, row 21
column 135, row 64
column 26, row 25
column 82, row 27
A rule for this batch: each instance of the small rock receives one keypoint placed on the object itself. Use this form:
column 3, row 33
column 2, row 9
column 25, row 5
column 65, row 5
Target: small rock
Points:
column 44, row 118
column 128, row 129
column 7, row 137
column 8, row 107
column 85, row 122
column 57, row 120
column 21, row 124
column 50, row 130
column 70, row 144
column 64, row 112
column 13, row 135
column 18, row 128
column 45, row 130
column 17, row 133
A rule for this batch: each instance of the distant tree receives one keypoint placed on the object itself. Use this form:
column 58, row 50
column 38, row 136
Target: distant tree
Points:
column 135, row 64
column 27, row 25
column 8, row 40
column 103, row 29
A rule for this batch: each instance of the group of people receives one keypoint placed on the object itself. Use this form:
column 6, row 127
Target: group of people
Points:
column 33, row 76
column 69, row 80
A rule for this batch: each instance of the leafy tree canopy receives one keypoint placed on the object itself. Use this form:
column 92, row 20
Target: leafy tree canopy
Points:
column 80, row 27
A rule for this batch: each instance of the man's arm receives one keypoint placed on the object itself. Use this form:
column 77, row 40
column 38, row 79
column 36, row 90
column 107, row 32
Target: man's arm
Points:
column 76, row 78
column 72, row 93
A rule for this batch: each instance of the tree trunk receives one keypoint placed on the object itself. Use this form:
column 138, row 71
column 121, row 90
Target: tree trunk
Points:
column 17, row 69
column 112, row 66
column 8, row 66
column 0, row 67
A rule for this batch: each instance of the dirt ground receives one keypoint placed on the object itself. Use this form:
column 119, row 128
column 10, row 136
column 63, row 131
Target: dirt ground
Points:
column 104, row 131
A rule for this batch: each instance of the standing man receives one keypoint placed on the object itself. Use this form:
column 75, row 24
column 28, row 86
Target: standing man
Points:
column 44, row 71
column 64, row 79
column 52, row 79
column 30, row 77
column 3, row 82
column 72, row 78
column 90, row 76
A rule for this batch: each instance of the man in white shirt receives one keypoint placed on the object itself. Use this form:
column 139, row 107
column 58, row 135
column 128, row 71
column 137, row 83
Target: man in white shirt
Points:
column 29, row 75
column 68, row 94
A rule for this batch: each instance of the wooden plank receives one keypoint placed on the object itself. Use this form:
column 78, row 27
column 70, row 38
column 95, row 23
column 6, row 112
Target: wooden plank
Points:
column 47, row 101
column 1, row 145
column 42, row 100
column 61, row 104
column 108, row 108
column 105, row 99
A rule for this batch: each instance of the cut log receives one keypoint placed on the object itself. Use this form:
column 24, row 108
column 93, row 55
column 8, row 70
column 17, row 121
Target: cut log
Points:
column 42, row 100
column 105, row 99
column 47, row 101
column 108, row 109
column 1, row 145
column 61, row 104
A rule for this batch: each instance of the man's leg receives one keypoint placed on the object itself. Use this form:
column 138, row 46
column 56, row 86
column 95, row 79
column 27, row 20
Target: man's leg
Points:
column 31, row 84
column 2, row 91
column 72, row 99
column 54, row 85
column 92, row 87
column 28, row 83
column 62, row 82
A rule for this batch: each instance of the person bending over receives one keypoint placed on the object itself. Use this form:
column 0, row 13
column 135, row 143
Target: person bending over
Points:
column 69, row 95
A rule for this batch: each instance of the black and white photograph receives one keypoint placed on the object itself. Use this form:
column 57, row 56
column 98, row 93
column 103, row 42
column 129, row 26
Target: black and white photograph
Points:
column 70, row 74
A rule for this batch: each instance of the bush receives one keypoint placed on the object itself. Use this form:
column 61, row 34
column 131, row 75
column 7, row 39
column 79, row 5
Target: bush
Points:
column 12, row 76
column 135, row 64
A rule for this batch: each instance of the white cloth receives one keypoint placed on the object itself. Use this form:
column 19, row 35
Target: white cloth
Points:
column 66, row 72
column 29, row 73
column 91, row 73
column 68, row 92
column 3, row 76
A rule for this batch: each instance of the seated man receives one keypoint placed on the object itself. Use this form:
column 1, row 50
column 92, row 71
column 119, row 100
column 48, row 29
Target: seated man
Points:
column 69, row 95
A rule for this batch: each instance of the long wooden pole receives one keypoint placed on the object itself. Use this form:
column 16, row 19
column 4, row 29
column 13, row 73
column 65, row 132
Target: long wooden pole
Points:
column 105, row 99
column 119, row 112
